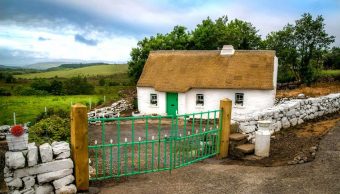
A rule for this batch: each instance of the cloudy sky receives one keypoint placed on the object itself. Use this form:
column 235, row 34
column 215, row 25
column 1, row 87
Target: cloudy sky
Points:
column 105, row 30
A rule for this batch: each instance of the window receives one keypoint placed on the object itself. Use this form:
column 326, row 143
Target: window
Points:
column 199, row 100
column 239, row 99
column 153, row 99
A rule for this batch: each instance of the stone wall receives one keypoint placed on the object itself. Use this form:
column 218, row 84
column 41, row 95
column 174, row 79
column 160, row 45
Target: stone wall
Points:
column 40, row 170
column 289, row 113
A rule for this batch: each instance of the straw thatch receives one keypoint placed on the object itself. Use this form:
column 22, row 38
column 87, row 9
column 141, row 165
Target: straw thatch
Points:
column 179, row 71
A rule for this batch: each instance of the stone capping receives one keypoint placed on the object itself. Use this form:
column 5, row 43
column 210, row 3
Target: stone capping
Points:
column 44, row 169
column 287, row 114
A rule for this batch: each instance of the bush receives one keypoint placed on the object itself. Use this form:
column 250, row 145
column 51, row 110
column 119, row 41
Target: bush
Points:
column 52, row 112
column 32, row 92
column 4, row 92
column 50, row 129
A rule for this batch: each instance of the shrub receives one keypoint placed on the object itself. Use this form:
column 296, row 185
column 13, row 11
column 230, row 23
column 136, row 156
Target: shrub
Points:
column 31, row 92
column 50, row 129
column 53, row 112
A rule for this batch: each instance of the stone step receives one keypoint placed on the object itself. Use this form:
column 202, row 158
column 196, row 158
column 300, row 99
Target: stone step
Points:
column 237, row 136
column 246, row 148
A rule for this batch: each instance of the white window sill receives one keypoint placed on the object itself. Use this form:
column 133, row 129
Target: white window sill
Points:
column 153, row 106
column 199, row 107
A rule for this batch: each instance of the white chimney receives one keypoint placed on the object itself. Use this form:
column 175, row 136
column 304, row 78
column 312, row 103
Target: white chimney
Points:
column 227, row 50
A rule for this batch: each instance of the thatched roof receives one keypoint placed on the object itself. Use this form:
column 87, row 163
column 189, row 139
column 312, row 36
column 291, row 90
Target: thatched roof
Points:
column 179, row 71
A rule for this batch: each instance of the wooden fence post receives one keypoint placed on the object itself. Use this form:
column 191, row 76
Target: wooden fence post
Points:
column 225, row 106
column 79, row 146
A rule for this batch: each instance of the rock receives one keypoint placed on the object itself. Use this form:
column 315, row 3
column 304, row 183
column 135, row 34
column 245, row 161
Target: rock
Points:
column 301, row 161
column 45, row 167
column 300, row 121
column 15, row 160
column 44, row 189
column 28, row 191
column 70, row 189
column 29, row 181
column 46, row 152
column 293, row 121
column 290, row 113
column 297, row 158
column 313, row 149
column 32, row 154
column 301, row 96
column 60, row 147
column 285, row 123
column 61, row 150
column 16, row 183
column 16, row 192
column 50, row 176
column 5, row 128
column 63, row 181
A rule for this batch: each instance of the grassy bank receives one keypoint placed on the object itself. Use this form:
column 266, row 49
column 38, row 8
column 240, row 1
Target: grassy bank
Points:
column 28, row 107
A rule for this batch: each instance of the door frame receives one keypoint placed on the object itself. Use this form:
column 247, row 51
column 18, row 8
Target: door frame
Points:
column 167, row 100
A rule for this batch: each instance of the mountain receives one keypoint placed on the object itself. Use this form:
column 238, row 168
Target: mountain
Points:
column 43, row 65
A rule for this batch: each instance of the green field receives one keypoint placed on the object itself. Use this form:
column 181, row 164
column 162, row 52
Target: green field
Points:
column 333, row 72
column 27, row 108
column 90, row 71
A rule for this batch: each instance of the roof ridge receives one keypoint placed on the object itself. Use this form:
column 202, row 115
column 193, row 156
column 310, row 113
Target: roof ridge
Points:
column 178, row 51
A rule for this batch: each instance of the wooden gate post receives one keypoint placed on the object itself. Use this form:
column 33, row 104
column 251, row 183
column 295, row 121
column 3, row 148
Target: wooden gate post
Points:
column 79, row 146
column 225, row 106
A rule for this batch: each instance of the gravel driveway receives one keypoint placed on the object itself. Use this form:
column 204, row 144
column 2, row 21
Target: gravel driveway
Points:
column 211, row 176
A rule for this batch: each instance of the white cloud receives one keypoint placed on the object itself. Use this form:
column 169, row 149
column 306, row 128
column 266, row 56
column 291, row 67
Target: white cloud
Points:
column 61, row 44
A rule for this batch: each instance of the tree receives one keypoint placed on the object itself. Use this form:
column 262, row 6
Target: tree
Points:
column 40, row 84
column 300, row 46
column 209, row 35
column 242, row 35
column 332, row 59
column 78, row 85
column 56, row 87
column 177, row 39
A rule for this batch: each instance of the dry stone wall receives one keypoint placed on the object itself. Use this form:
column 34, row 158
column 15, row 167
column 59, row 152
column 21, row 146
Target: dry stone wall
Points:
column 43, row 169
column 289, row 113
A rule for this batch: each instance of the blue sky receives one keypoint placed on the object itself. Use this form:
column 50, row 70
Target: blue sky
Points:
column 106, row 30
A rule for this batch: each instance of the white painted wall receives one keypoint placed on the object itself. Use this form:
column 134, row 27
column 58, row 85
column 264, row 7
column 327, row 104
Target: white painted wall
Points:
column 254, row 100
column 143, row 98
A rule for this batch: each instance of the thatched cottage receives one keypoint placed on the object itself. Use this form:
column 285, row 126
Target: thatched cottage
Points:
column 187, row 81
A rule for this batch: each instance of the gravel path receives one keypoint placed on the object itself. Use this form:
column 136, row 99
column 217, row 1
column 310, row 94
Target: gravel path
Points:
column 211, row 176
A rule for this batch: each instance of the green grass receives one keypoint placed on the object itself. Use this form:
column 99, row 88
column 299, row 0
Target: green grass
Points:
column 27, row 108
column 333, row 72
column 98, row 70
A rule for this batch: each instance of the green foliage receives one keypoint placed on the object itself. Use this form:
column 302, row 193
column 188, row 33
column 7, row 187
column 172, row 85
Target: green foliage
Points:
column 4, row 92
column 78, row 85
column 62, row 113
column 40, row 84
column 31, row 92
column 332, row 59
column 50, row 129
column 102, row 82
column 177, row 39
column 7, row 77
column 300, row 47
column 209, row 35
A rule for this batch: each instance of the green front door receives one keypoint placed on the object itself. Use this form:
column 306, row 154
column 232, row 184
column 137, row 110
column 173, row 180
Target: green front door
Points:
column 171, row 103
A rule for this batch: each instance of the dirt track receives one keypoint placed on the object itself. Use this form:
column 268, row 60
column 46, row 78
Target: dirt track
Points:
column 211, row 176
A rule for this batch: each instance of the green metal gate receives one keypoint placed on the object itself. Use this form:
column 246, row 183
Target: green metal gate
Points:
column 136, row 145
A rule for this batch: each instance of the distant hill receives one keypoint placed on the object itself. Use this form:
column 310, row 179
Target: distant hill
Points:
column 43, row 65
column 89, row 71
column 8, row 67
column 74, row 65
